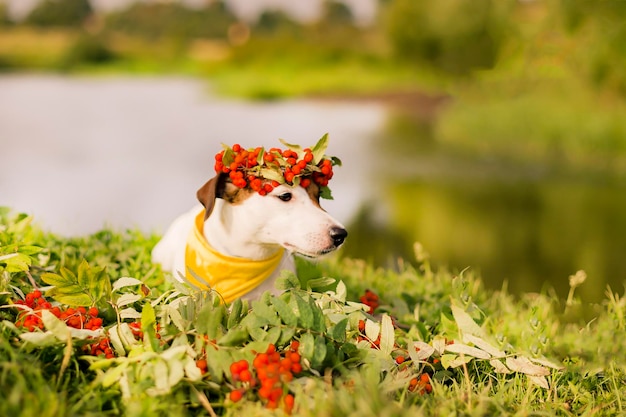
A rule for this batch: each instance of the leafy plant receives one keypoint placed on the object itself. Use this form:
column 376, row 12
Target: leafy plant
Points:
column 415, row 341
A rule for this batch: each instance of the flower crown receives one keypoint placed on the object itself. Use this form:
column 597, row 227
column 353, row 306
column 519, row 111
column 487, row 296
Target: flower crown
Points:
column 262, row 170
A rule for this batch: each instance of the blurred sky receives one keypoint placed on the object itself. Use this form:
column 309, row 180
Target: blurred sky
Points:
column 363, row 10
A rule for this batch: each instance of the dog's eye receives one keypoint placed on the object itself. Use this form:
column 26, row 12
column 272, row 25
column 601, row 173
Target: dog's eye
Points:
column 285, row 196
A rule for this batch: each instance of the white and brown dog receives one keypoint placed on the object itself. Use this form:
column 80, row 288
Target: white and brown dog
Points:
column 244, row 240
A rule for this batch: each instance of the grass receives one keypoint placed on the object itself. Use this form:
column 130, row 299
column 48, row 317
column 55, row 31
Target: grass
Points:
column 50, row 376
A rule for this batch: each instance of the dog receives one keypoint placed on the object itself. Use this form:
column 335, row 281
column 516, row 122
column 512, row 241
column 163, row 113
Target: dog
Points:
column 243, row 232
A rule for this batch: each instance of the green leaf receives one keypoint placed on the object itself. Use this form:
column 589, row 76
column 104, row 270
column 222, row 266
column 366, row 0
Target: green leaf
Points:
column 387, row 336
column 228, row 157
column 175, row 317
column 319, row 321
column 83, row 276
column 191, row 370
column 286, row 314
column 257, row 333
column 273, row 335
column 264, row 311
column 72, row 299
column 319, row 353
column 338, row 331
column 372, row 329
column 525, row 366
column 234, row 318
column 214, row 325
column 160, row 374
column 55, row 279
column 287, row 281
column 40, row 339
column 127, row 298
column 320, row 282
column 235, row 337
column 420, row 351
column 484, row 345
column 307, row 346
column 125, row 282
column 467, row 350
column 326, row 194
column 272, row 174
column 85, row 289
column 16, row 262
column 465, row 322
column 148, row 327
column 259, row 158
column 453, row 361
column 57, row 327
column 305, row 312
column 209, row 320
column 286, row 335
column 295, row 148
column 148, row 317
column 319, row 149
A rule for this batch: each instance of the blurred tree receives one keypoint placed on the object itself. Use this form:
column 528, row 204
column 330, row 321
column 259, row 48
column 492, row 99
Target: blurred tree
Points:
column 87, row 49
column 63, row 13
column 173, row 20
column 454, row 36
column 337, row 13
column 599, row 29
column 5, row 20
column 273, row 21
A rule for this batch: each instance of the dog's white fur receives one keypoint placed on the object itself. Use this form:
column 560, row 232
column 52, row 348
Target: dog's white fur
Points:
column 255, row 227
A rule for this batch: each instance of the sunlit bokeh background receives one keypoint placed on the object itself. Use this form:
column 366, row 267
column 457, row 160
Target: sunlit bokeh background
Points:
column 490, row 131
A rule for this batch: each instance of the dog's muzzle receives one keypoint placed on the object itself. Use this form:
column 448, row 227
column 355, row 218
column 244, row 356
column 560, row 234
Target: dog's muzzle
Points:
column 338, row 235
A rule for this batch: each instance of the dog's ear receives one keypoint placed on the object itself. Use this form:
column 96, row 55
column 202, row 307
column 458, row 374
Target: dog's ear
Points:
column 214, row 188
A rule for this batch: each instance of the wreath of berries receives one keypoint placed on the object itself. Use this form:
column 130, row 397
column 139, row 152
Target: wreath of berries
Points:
column 262, row 170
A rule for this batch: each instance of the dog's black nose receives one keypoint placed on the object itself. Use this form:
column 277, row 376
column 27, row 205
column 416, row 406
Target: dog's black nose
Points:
column 338, row 234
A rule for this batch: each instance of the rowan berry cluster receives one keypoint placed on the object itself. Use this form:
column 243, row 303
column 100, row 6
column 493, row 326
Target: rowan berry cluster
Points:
column 421, row 384
column 370, row 299
column 262, row 171
column 78, row 318
column 100, row 348
column 37, row 302
column 267, row 377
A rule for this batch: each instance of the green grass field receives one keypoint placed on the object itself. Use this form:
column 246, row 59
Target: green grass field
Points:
column 437, row 343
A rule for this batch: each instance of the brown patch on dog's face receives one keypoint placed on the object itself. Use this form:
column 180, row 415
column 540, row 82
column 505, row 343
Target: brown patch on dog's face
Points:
column 220, row 186
column 314, row 193
column 234, row 194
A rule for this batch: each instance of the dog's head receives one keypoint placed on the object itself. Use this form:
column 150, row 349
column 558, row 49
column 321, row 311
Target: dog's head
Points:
column 289, row 216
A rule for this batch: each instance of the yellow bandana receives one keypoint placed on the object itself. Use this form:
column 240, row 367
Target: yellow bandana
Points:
column 231, row 277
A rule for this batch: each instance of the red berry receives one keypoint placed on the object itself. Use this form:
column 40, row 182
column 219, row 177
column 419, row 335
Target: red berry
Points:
column 296, row 368
column 245, row 375
column 236, row 395
column 294, row 345
column 202, row 365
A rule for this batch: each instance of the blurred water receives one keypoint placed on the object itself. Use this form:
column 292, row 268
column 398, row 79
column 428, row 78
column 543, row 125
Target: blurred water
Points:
column 84, row 153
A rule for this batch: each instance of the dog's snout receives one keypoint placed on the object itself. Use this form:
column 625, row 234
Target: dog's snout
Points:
column 338, row 235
